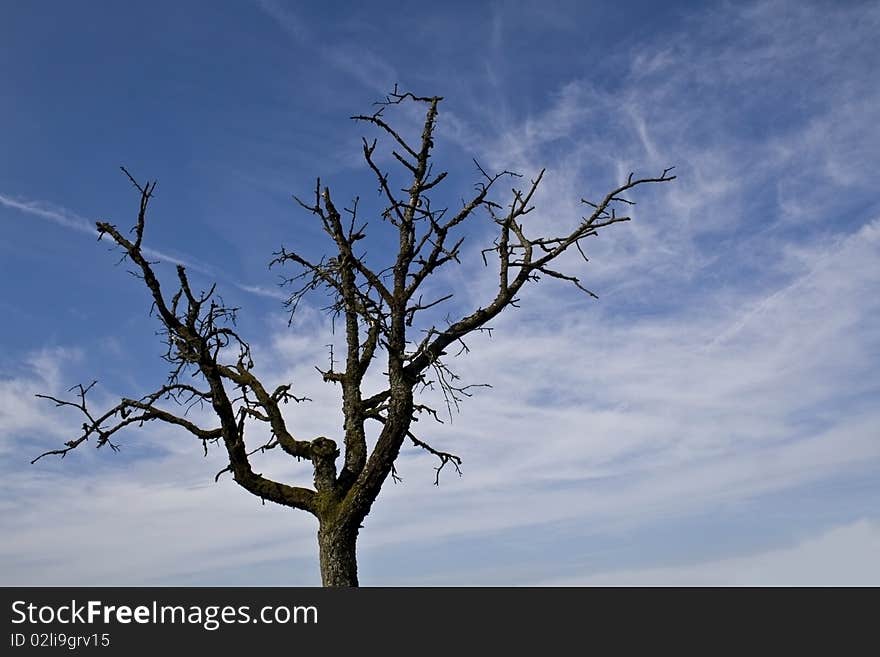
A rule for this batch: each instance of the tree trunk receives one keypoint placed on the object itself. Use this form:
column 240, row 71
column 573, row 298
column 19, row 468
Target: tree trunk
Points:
column 336, row 546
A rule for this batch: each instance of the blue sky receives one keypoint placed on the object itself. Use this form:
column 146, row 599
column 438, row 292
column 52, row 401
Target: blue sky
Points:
column 712, row 418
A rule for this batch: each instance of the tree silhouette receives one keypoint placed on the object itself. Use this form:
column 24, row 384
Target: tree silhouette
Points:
column 383, row 309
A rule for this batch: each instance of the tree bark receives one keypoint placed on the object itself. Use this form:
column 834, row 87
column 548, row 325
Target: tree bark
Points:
column 337, row 552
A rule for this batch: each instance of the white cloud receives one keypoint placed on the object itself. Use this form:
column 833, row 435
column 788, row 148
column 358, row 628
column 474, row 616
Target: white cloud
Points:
column 157, row 521
column 285, row 19
column 356, row 61
column 48, row 211
column 848, row 555
column 264, row 291
column 72, row 221
column 21, row 413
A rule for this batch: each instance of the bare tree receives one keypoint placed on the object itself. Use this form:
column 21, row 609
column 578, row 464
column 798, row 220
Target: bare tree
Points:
column 382, row 306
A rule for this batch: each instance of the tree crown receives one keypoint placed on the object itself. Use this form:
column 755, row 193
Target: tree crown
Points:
column 381, row 309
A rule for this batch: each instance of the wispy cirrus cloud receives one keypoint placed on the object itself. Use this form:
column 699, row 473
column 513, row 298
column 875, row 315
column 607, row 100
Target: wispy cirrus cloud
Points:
column 746, row 180
column 353, row 59
column 20, row 411
column 841, row 556
column 51, row 212
column 72, row 221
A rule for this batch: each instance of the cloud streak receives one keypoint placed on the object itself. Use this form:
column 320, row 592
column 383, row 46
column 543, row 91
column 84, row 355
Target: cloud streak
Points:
column 46, row 211
column 354, row 60
column 842, row 556
column 72, row 221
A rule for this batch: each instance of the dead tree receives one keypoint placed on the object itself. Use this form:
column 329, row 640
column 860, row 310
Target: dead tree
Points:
column 380, row 306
